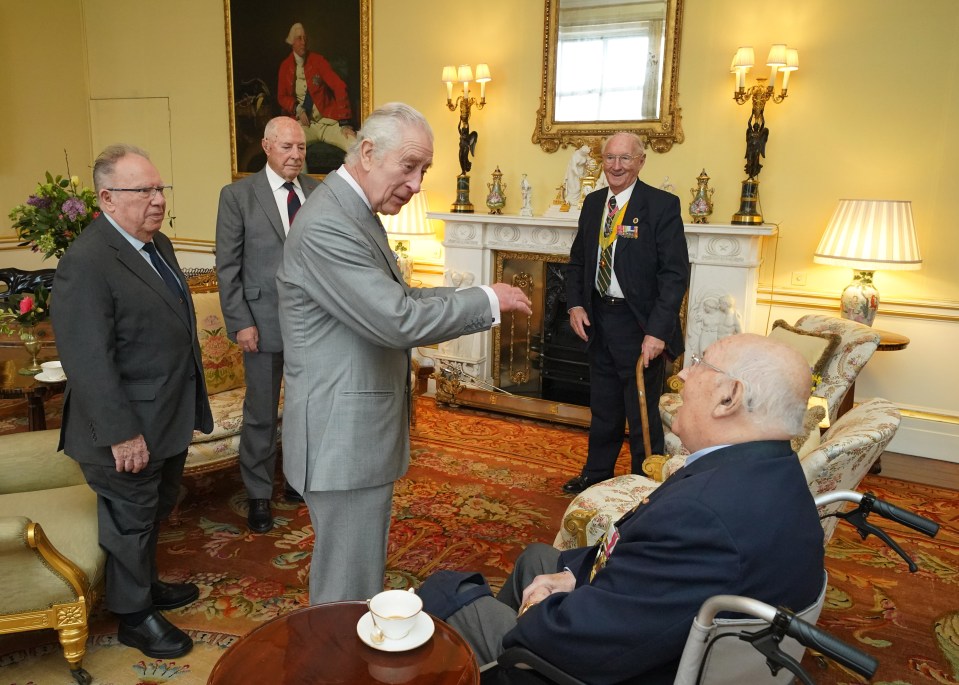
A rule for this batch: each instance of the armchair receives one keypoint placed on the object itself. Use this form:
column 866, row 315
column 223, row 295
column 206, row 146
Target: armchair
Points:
column 840, row 461
column 51, row 565
column 838, row 363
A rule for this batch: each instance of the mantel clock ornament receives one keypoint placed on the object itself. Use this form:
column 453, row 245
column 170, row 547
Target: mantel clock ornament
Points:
column 496, row 199
column 702, row 205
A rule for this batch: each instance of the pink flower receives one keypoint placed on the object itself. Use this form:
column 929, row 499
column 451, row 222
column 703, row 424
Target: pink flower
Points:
column 26, row 304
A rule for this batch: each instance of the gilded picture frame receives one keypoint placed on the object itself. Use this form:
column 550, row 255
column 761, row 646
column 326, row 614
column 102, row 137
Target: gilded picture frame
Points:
column 660, row 132
column 256, row 48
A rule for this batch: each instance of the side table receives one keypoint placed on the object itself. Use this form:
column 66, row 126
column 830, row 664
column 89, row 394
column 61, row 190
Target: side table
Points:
column 14, row 385
column 319, row 644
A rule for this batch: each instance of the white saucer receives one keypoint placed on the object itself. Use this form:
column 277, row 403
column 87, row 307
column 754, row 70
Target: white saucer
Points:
column 422, row 631
column 43, row 377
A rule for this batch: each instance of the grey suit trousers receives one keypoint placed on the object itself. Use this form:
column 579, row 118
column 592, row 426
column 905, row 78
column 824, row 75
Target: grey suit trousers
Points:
column 130, row 508
column 484, row 622
column 349, row 525
column 264, row 372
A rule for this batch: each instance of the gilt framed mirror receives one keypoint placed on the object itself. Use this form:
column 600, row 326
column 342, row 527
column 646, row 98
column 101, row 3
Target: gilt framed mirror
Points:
column 610, row 65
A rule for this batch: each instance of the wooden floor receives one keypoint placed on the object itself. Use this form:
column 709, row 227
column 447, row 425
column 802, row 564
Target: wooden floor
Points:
column 942, row 474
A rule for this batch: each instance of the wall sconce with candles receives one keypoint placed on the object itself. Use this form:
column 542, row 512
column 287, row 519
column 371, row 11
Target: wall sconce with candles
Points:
column 867, row 235
column 465, row 103
column 410, row 222
column 783, row 60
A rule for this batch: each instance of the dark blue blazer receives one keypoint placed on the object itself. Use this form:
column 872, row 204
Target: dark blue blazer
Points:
column 652, row 268
column 739, row 521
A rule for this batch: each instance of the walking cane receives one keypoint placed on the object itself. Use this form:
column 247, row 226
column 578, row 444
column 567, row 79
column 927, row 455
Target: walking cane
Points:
column 654, row 463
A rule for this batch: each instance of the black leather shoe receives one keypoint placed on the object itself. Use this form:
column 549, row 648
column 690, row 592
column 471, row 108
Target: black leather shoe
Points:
column 156, row 637
column 260, row 518
column 173, row 595
column 576, row 485
column 291, row 495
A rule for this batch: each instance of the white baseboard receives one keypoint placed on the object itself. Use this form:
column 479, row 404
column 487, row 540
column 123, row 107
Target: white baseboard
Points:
column 927, row 437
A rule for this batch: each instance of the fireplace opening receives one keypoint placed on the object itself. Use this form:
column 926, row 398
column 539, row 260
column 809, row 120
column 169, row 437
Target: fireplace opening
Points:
column 539, row 356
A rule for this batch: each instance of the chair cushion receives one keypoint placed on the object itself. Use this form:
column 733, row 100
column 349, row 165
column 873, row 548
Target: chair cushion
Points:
column 611, row 499
column 816, row 347
column 222, row 358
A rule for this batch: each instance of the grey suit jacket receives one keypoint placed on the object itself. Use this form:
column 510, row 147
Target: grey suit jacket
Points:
column 129, row 349
column 249, row 248
column 348, row 321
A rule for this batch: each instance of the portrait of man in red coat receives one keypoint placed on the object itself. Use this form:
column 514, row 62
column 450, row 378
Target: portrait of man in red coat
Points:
column 309, row 90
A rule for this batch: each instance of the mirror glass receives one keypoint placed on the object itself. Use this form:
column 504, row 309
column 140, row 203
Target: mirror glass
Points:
column 610, row 65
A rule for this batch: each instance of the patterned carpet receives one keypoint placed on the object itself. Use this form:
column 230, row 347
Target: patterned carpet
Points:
column 479, row 489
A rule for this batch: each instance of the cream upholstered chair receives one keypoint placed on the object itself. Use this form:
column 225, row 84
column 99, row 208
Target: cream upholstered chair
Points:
column 840, row 461
column 51, row 564
column 848, row 450
column 836, row 349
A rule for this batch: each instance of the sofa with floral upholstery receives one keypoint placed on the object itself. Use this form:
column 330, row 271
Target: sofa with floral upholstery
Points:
column 223, row 370
column 840, row 461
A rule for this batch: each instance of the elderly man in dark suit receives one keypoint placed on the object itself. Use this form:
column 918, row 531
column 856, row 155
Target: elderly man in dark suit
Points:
column 251, row 226
column 627, row 274
column 621, row 610
column 126, row 333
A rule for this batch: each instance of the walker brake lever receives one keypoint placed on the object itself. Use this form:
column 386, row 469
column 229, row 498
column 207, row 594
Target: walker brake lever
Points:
column 858, row 516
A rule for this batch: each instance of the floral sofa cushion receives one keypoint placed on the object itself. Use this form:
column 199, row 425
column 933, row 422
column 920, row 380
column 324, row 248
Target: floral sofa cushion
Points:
column 225, row 382
column 222, row 358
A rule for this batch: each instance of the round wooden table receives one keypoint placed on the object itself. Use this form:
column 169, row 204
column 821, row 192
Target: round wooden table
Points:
column 319, row 644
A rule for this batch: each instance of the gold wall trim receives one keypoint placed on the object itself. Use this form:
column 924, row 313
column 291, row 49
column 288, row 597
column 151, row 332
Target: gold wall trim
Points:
column 934, row 310
column 930, row 416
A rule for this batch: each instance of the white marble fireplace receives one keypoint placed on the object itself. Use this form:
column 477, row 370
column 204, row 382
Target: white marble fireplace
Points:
column 724, row 259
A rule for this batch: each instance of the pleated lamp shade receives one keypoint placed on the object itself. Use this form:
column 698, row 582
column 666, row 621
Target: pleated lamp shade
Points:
column 411, row 219
column 870, row 235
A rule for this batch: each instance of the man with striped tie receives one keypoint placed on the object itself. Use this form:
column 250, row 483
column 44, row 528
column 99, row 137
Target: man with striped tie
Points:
column 627, row 274
column 252, row 222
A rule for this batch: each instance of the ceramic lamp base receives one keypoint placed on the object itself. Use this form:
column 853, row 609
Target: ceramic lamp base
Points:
column 860, row 299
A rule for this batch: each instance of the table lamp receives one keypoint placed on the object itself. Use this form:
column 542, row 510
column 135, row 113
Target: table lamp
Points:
column 411, row 221
column 868, row 235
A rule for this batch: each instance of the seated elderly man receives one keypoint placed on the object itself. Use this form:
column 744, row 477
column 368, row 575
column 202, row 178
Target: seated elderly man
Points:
column 737, row 519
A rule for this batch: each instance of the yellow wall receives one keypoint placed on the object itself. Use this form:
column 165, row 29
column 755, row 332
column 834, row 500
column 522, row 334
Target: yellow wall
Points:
column 870, row 112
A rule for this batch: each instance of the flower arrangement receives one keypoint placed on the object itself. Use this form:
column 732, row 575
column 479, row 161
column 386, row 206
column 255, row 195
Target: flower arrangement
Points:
column 53, row 216
column 26, row 309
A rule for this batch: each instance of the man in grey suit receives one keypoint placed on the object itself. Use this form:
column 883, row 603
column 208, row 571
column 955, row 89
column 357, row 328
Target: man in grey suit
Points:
column 252, row 222
column 348, row 321
column 126, row 333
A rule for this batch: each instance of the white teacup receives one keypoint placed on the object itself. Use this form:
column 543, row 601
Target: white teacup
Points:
column 53, row 370
column 395, row 612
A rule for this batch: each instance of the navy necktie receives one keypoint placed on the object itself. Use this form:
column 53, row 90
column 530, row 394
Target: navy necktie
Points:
column 292, row 200
column 165, row 273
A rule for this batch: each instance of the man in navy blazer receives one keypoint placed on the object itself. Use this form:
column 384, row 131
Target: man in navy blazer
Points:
column 126, row 333
column 630, row 311
column 737, row 519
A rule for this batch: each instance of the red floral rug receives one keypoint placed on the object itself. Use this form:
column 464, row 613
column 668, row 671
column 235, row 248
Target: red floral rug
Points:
column 480, row 488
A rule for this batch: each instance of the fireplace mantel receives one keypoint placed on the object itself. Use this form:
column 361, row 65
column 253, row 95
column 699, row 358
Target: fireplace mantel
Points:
column 724, row 263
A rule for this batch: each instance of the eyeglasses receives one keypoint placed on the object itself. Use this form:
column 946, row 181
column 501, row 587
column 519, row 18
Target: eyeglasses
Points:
column 699, row 360
column 148, row 193
column 623, row 159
